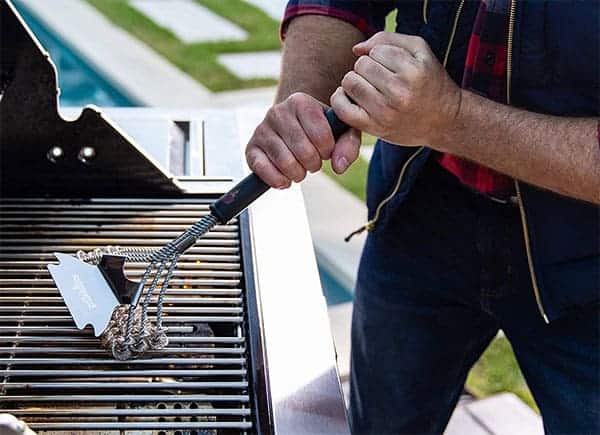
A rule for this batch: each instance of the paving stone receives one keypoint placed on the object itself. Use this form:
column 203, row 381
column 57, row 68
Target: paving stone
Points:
column 274, row 8
column 263, row 64
column 463, row 423
column 340, row 319
column 506, row 414
column 189, row 21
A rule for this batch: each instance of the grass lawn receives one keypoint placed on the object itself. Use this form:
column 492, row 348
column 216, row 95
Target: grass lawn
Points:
column 353, row 179
column 200, row 60
column 496, row 371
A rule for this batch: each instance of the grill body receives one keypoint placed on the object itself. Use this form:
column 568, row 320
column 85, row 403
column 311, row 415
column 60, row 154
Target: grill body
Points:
column 58, row 378
column 250, row 347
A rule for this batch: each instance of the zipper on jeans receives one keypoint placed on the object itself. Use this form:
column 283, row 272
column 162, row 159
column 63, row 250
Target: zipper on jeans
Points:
column 532, row 274
column 371, row 224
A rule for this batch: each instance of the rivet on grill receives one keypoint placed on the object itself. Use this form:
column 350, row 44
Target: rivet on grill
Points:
column 54, row 154
column 86, row 154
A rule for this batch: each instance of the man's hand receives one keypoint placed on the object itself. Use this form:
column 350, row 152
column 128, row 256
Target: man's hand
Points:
column 402, row 93
column 405, row 96
column 295, row 138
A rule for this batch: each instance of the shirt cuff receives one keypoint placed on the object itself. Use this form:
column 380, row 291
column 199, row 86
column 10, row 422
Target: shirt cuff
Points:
column 293, row 11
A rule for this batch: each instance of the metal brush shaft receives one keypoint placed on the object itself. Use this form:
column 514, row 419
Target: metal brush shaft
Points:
column 163, row 261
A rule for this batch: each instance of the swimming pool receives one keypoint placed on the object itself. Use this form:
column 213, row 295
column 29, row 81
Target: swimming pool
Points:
column 81, row 85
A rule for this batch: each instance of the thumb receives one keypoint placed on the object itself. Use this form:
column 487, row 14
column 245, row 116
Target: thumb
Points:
column 345, row 151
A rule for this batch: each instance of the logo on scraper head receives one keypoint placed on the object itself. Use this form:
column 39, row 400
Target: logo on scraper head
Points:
column 86, row 292
column 85, row 296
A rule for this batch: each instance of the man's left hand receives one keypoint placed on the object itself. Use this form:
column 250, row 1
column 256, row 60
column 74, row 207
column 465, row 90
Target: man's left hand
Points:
column 401, row 92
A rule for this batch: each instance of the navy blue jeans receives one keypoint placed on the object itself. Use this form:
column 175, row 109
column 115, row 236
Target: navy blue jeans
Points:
column 434, row 287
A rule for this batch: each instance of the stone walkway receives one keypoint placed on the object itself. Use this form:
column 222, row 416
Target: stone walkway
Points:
column 189, row 21
column 264, row 64
column 193, row 23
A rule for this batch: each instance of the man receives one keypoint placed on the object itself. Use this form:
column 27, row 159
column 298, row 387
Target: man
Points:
column 486, row 217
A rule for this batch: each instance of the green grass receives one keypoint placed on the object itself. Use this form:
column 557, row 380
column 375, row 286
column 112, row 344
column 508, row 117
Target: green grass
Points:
column 200, row 60
column 353, row 180
column 390, row 21
column 497, row 371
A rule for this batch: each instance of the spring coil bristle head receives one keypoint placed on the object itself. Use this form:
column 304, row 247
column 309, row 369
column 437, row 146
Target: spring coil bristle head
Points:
column 143, row 338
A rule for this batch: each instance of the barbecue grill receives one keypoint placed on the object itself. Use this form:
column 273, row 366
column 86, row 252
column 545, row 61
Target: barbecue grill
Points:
column 249, row 347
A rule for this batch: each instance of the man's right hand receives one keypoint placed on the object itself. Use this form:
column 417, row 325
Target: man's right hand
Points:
column 295, row 138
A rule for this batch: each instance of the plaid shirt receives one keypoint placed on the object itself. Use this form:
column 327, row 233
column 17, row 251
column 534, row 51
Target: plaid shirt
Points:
column 485, row 74
column 485, row 68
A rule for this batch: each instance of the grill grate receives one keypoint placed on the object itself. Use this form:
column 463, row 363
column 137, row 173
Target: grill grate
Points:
column 59, row 380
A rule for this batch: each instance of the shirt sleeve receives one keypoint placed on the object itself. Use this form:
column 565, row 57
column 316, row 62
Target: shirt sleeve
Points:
column 368, row 16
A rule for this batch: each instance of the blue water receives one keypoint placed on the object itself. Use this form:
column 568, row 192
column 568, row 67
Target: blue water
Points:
column 79, row 83
column 335, row 293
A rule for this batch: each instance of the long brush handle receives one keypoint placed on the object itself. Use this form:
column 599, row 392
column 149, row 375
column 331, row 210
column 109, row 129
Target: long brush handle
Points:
column 252, row 187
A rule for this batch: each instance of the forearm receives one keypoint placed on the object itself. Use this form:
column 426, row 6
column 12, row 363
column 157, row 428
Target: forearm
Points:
column 316, row 54
column 557, row 153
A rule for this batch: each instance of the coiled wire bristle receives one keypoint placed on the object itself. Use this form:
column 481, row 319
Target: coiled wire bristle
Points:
column 143, row 337
column 130, row 333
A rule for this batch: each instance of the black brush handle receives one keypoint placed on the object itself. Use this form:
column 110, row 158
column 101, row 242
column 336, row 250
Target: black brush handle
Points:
column 250, row 188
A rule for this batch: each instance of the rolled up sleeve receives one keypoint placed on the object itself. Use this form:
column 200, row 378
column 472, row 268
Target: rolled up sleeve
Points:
column 365, row 15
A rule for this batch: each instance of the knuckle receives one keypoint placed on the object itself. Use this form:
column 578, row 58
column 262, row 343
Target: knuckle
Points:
column 387, row 116
column 361, row 63
column 261, row 132
column 278, row 114
column 305, row 152
column 380, row 35
column 377, row 51
column 348, row 77
column 418, row 40
column 298, row 99
column 315, row 166
column 395, row 91
column 287, row 164
column 323, row 142
column 301, row 176
column 352, row 85
column 255, row 161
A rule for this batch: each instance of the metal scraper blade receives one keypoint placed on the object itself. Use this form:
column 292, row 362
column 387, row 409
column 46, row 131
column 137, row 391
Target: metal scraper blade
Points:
column 88, row 296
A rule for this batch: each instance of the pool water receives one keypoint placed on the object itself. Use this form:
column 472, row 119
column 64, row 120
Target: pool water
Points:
column 81, row 85
column 335, row 293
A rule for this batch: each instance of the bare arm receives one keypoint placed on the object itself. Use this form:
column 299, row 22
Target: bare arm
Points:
column 294, row 137
column 557, row 153
column 405, row 96
column 317, row 52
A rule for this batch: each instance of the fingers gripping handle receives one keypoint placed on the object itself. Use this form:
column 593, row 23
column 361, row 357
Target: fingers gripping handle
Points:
column 250, row 188
column 338, row 127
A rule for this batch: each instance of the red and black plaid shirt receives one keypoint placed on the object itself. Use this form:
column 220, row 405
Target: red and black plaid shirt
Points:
column 485, row 70
column 485, row 74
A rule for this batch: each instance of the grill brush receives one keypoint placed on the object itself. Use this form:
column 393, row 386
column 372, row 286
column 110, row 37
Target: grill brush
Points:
column 97, row 293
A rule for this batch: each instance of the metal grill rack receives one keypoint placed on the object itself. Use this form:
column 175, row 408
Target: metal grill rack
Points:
column 58, row 379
